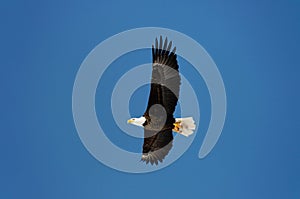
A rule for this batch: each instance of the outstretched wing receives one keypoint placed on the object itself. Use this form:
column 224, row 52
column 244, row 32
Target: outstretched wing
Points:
column 165, row 81
column 157, row 146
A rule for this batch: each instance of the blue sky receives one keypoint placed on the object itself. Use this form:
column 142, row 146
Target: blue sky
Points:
column 256, row 47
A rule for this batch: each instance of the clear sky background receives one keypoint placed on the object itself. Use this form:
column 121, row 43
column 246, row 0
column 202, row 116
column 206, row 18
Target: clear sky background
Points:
column 255, row 45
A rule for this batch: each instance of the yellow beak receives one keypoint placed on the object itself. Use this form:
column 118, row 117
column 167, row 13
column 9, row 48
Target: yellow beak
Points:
column 130, row 121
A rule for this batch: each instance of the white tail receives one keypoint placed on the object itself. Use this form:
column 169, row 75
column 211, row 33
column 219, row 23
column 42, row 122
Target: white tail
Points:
column 186, row 126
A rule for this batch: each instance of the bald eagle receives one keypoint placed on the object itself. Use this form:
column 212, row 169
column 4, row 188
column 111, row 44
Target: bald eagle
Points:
column 158, row 120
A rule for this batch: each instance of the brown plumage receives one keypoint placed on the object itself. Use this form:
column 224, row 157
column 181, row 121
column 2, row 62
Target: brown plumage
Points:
column 164, row 92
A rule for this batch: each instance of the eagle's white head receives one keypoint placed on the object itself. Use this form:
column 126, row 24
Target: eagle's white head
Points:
column 137, row 121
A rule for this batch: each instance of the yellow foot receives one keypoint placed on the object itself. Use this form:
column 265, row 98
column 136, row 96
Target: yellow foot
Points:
column 176, row 127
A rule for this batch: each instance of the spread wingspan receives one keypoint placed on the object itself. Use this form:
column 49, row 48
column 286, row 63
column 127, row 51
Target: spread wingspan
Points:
column 164, row 92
